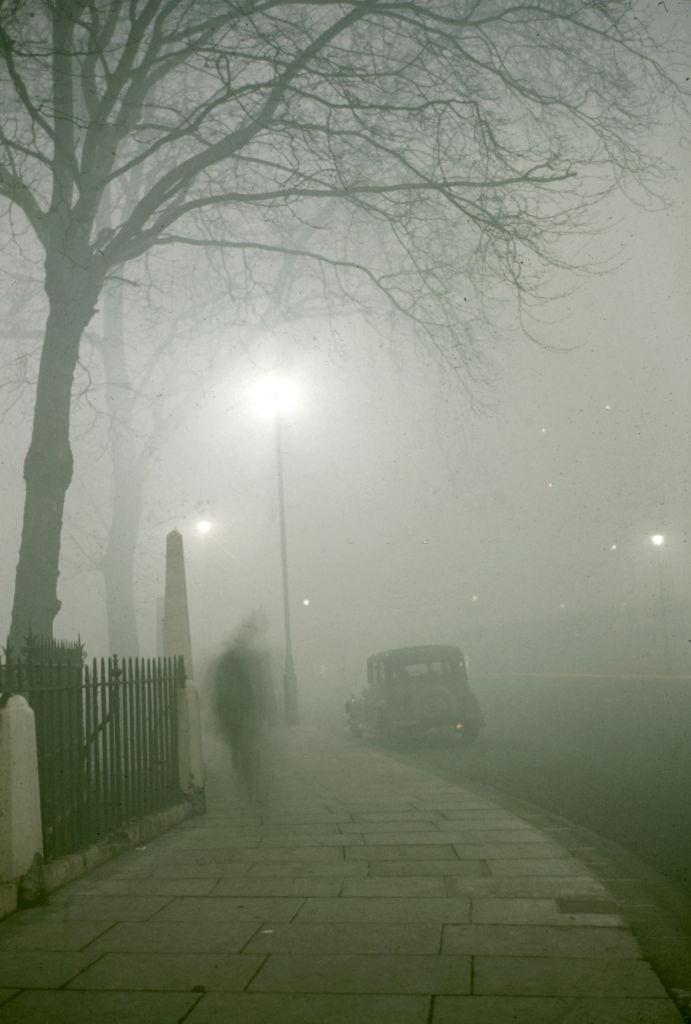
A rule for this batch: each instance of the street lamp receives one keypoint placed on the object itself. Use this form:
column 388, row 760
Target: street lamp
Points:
column 658, row 542
column 275, row 396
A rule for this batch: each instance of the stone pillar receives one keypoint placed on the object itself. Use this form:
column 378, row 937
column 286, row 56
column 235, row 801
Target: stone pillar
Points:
column 176, row 619
column 160, row 612
column 20, row 808
column 192, row 773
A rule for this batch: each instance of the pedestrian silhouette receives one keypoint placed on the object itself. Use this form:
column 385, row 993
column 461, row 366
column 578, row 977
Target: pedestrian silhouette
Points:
column 242, row 690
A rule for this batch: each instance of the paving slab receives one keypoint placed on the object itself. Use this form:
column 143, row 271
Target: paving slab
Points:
column 406, row 909
column 410, row 867
column 405, row 885
column 368, row 827
column 228, row 936
column 524, row 835
column 387, row 806
column 490, row 824
column 211, row 830
column 267, row 886
column 297, row 839
column 345, row 937
column 301, row 828
column 300, row 868
column 214, row 841
column 460, row 838
column 227, row 869
column 573, row 976
column 310, row 1009
column 40, row 969
column 196, row 855
column 70, row 1007
column 103, row 908
column 228, row 908
column 390, row 974
column 532, row 863
column 149, row 887
column 536, row 940
column 510, row 851
column 490, row 910
column 294, row 820
column 307, row 852
column 488, row 817
column 387, row 817
column 405, row 852
column 24, row 931
column 523, row 886
column 156, row 972
column 458, row 804
column 549, row 1010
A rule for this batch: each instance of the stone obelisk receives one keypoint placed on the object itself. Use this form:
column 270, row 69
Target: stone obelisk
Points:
column 176, row 619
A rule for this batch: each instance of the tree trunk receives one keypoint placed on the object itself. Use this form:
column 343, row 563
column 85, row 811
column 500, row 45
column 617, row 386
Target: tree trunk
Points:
column 117, row 565
column 48, row 464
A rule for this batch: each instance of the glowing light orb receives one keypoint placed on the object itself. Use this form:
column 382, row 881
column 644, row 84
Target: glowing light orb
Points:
column 272, row 396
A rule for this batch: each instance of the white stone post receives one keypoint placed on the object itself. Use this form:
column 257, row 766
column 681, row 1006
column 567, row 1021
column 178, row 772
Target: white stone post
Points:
column 192, row 773
column 177, row 641
column 20, row 807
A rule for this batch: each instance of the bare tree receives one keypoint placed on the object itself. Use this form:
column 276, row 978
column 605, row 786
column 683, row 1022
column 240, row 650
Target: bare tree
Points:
column 457, row 139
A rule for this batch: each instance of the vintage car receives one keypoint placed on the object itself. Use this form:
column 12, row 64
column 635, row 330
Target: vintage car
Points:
column 411, row 691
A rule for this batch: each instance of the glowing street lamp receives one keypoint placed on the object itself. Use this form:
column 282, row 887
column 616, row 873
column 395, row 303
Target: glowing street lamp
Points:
column 275, row 396
column 204, row 526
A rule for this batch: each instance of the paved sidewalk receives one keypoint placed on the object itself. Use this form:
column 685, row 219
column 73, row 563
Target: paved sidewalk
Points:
column 361, row 889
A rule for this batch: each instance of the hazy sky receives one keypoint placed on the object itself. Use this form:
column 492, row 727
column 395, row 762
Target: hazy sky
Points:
column 402, row 501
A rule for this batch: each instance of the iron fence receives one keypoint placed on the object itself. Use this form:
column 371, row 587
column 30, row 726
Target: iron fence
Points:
column 106, row 736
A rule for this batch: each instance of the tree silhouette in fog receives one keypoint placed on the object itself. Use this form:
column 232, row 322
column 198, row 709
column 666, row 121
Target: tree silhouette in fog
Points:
column 455, row 143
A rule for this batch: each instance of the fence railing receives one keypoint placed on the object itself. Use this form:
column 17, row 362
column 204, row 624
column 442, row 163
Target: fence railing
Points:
column 106, row 737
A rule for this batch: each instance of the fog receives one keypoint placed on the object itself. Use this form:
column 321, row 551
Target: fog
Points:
column 404, row 502
column 508, row 510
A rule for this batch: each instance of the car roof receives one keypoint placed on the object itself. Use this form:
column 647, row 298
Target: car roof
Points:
column 424, row 652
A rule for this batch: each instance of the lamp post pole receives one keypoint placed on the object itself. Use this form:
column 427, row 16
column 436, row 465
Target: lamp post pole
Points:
column 290, row 688
column 658, row 540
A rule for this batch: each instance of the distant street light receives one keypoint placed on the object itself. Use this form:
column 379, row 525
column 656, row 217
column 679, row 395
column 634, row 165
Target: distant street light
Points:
column 275, row 396
column 658, row 541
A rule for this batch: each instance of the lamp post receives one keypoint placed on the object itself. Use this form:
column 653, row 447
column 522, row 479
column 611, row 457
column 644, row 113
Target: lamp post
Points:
column 658, row 542
column 290, row 685
column 275, row 396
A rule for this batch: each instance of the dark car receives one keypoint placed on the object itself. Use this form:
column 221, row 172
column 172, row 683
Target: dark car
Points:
column 416, row 690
